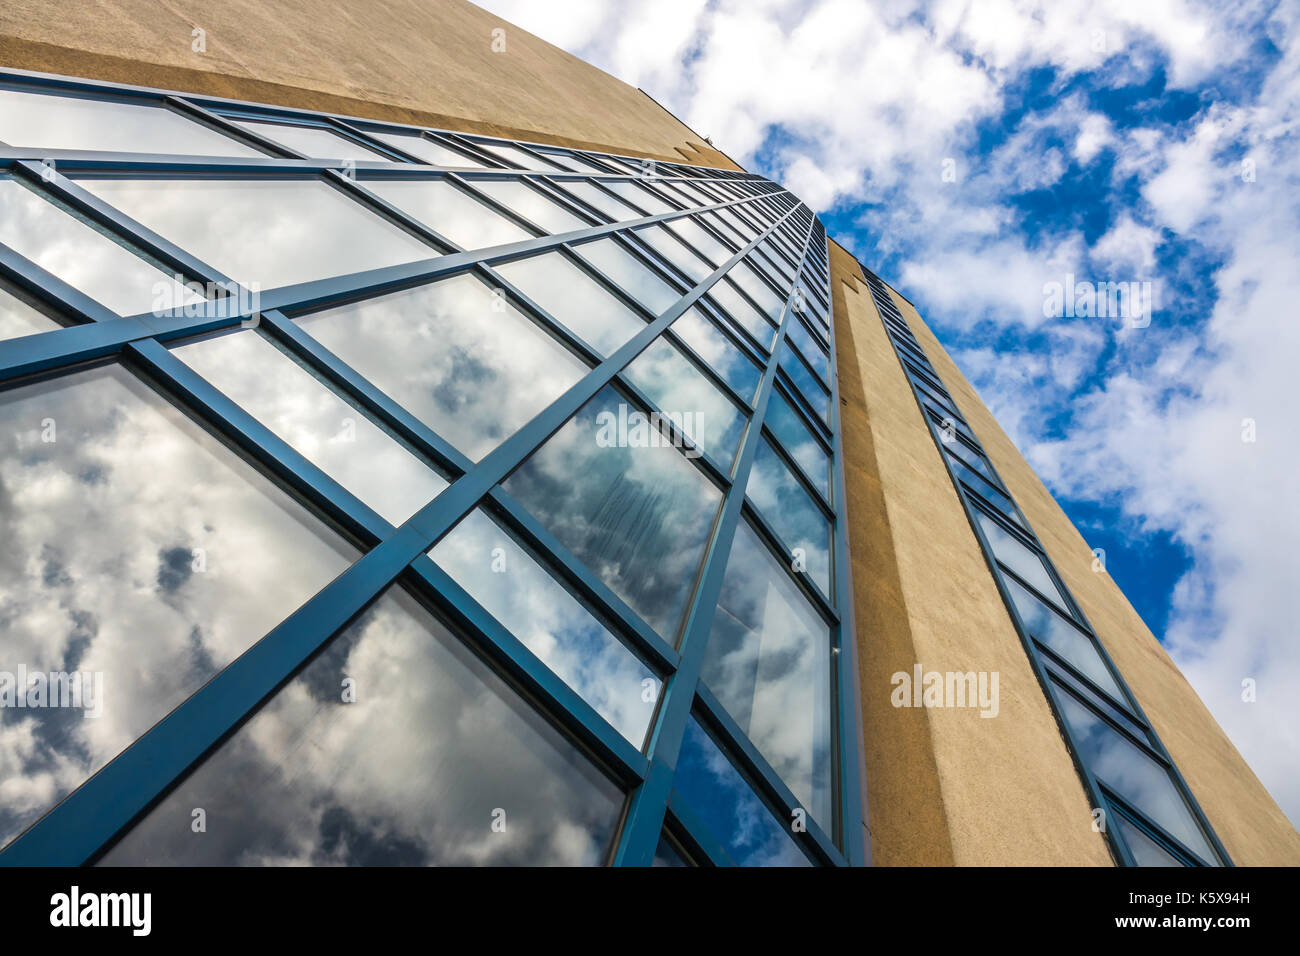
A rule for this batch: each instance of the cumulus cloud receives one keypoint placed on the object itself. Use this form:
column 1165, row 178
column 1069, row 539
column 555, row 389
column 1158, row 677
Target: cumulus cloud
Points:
column 975, row 152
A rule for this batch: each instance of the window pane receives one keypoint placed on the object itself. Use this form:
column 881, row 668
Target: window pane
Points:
column 745, row 315
column 516, row 157
column 615, row 209
column 574, row 298
column 702, row 240
column 640, row 198
column 312, row 141
column 793, row 434
column 1133, row 775
column 785, row 504
column 435, row 154
column 516, row 590
column 83, row 257
column 682, row 393
column 630, row 274
column 1050, row 629
column 983, row 488
column 323, row 428
column 768, row 662
column 1021, row 560
column 413, row 771
column 727, row 805
column 449, row 211
column 44, row 121
column 723, row 355
column 768, row 301
column 808, row 348
column 530, row 204
column 17, row 318
column 140, row 555
column 663, row 242
column 666, row 853
column 1146, row 851
column 270, row 232
column 808, row 386
column 465, row 362
column 632, row 509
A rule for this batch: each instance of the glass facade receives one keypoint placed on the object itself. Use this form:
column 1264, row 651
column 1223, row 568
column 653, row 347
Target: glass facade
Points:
column 1139, row 799
column 410, row 497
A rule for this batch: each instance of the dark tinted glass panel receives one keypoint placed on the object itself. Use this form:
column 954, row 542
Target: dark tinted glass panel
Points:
column 720, row 797
column 667, row 854
column 140, row 557
column 395, row 747
column 633, row 509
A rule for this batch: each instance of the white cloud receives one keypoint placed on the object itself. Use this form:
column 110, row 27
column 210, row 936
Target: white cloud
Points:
column 871, row 98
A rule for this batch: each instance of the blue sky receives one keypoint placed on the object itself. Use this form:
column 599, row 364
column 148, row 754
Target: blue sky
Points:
column 1108, row 140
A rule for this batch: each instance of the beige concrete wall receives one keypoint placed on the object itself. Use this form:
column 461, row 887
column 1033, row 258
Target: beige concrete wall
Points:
column 944, row 785
column 429, row 62
column 1247, row 819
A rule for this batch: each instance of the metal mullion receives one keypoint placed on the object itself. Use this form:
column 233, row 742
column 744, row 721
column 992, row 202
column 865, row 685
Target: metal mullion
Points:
column 226, row 126
column 559, row 702
column 849, row 745
column 1056, row 660
column 739, row 336
column 1091, row 785
column 100, row 808
column 229, row 420
column 797, row 471
column 123, row 226
column 371, row 282
column 547, row 186
column 812, row 372
column 645, row 815
column 1154, row 831
column 714, row 472
column 644, row 640
column 802, row 580
column 794, row 397
column 764, row 780
column 112, row 799
column 704, row 842
column 1144, row 746
column 372, row 400
column 69, row 346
